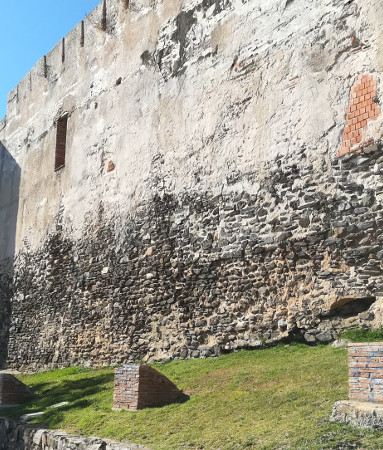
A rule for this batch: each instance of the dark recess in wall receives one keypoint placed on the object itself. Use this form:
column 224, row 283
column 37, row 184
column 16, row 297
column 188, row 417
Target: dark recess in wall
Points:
column 9, row 204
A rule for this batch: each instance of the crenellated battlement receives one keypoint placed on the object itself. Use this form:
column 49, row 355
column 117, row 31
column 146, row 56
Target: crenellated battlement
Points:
column 74, row 52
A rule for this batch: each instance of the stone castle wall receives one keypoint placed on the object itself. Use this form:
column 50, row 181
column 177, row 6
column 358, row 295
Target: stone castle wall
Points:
column 213, row 195
column 197, row 275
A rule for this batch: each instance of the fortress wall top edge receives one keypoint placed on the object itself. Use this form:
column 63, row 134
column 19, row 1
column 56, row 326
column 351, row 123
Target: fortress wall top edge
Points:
column 73, row 50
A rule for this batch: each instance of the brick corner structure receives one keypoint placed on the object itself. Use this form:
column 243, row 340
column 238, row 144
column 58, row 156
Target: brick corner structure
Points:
column 140, row 386
column 365, row 405
column 366, row 372
column 12, row 391
column 362, row 108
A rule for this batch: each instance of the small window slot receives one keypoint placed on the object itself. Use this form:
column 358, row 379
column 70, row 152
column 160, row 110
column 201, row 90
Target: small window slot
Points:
column 62, row 126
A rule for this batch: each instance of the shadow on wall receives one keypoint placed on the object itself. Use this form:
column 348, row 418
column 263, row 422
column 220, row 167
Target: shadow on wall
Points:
column 9, row 204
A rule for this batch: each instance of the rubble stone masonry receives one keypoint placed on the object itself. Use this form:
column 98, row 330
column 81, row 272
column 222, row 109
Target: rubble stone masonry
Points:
column 198, row 274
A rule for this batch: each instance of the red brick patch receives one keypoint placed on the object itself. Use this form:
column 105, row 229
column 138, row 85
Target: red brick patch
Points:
column 362, row 109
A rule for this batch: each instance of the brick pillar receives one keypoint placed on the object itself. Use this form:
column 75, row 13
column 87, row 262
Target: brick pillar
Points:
column 13, row 391
column 366, row 372
column 137, row 387
column 126, row 381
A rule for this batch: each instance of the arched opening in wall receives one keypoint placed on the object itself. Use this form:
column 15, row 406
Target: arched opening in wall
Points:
column 61, row 134
column 351, row 306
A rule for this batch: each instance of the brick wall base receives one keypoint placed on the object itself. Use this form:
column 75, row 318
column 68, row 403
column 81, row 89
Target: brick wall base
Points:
column 13, row 391
column 366, row 372
column 365, row 406
column 139, row 387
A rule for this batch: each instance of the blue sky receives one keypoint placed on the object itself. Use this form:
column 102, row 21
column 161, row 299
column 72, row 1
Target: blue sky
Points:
column 29, row 29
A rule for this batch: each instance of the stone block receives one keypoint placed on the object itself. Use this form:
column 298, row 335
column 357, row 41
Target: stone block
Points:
column 13, row 391
column 360, row 414
column 140, row 386
column 18, row 436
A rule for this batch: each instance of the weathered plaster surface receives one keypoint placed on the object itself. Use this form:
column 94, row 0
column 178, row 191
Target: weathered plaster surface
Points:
column 224, row 86
column 201, row 207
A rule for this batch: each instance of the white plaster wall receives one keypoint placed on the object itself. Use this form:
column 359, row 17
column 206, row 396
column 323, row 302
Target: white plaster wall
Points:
column 261, row 78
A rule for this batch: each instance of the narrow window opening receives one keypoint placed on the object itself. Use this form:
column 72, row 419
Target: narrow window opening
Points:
column 62, row 125
column 45, row 68
column 63, row 51
column 104, row 16
column 82, row 35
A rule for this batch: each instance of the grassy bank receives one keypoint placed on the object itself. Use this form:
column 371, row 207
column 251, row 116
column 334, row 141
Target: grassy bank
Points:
column 278, row 398
column 363, row 335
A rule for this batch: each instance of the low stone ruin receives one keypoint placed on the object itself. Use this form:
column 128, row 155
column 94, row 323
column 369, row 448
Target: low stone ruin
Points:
column 365, row 405
column 12, row 391
column 139, row 386
column 18, row 436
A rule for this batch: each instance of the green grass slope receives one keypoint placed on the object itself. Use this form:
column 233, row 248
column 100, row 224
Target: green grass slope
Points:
column 278, row 398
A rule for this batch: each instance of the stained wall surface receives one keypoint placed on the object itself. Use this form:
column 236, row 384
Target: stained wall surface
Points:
column 214, row 195
column 10, row 174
